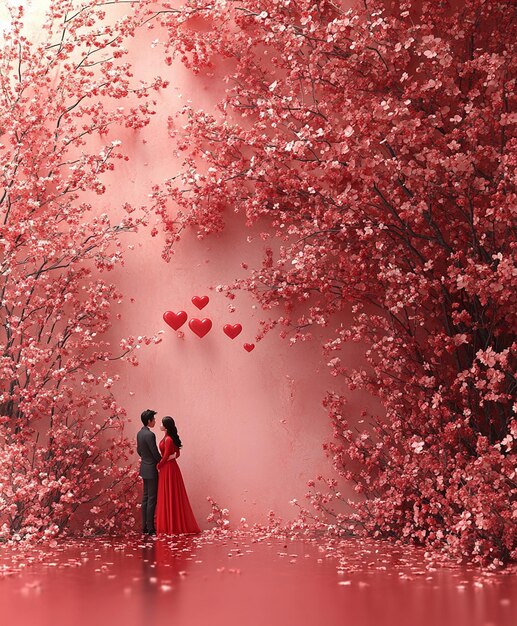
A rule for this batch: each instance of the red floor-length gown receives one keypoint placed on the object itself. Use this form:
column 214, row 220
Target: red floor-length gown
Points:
column 173, row 512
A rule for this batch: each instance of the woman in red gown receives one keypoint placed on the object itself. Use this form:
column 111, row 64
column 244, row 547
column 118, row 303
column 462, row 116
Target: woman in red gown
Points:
column 173, row 513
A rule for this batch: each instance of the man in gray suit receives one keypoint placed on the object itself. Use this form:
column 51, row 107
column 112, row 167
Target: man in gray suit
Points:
column 149, row 455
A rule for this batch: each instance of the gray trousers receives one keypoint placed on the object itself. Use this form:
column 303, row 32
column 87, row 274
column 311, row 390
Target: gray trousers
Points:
column 149, row 503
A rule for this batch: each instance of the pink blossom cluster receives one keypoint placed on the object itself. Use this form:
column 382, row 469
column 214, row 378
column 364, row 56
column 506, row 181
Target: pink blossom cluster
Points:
column 65, row 100
column 375, row 148
column 218, row 516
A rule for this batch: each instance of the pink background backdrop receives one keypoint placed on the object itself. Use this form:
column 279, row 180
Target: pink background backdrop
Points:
column 252, row 424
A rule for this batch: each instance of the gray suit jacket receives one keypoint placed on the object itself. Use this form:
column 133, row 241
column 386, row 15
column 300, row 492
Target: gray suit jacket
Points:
column 148, row 452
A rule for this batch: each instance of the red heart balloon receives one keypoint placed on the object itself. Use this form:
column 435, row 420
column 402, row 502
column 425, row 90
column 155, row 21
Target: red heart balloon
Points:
column 249, row 347
column 200, row 327
column 175, row 320
column 232, row 330
column 200, row 301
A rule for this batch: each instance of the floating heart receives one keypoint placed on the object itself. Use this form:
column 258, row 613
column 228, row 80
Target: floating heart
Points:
column 200, row 301
column 200, row 327
column 175, row 320
column 232, row 330
column 249, row 347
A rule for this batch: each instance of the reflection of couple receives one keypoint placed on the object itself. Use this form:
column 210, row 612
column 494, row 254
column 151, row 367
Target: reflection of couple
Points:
column 166, row 495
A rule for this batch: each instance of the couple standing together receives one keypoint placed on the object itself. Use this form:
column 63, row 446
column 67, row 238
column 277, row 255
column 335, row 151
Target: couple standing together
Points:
column 165, row 497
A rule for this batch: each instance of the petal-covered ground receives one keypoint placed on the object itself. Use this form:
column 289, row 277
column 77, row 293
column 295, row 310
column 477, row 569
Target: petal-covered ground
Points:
column 246, row 580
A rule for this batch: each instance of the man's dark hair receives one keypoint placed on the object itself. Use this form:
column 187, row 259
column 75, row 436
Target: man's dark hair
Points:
column 147, row 416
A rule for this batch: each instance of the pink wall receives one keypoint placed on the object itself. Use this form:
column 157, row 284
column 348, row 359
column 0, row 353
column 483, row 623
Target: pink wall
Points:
column 252, row 424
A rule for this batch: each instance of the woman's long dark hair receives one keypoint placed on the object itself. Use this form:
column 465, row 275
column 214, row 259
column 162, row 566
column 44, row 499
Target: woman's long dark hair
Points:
column 172, row 431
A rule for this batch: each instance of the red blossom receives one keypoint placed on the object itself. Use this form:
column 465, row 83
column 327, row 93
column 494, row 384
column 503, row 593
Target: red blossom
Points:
column 376, row 147
column 63, row 104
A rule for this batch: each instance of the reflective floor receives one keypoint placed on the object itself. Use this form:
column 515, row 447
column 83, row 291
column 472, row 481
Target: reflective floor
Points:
column 195, row 581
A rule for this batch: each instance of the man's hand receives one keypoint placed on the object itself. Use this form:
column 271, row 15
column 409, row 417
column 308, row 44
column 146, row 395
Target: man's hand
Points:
column 172, row 456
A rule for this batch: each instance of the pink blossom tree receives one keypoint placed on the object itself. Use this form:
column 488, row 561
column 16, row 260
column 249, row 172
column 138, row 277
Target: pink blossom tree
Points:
column 376, row 146
column 66, row 97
